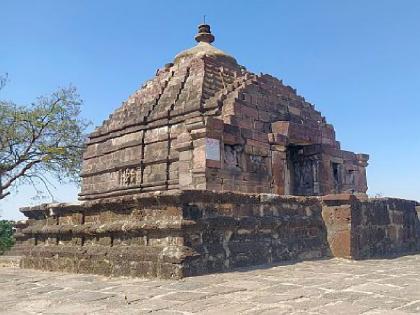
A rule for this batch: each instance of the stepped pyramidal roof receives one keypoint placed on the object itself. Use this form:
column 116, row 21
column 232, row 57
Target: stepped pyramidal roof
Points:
column 205, row 122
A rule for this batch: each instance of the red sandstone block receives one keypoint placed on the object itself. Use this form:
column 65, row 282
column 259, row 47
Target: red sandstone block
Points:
column 245, row 123
column 228, row 184
column 214, row 123
column 248, row 149
column 297, row 133
column 258, row 144
column 214, row 134
column 281, row 127
column 182, row 146
column 176, row 130
column 185, row 179
column 199, row 158
column 264, row 116
column 249, row 112
column 196, row 125
column 246, row 133
column 234, row 130
column 260, row 151
column 258, row 125
column 231, row 139
column 339, row 216
column 214, row 187
column 198, row 133
column 213, row 164
column 184, row 137
column 362, row 157
column 277, row 138
column 156, row 151
column 338, row 197
column 340, row 243
column 232, row 108
column 259, row 136
column 231, row 120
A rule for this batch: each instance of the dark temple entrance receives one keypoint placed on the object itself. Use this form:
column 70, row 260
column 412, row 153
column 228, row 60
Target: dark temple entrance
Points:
column 303, row 166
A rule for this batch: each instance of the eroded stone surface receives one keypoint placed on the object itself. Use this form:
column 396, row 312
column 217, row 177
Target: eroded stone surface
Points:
column 332, row 286
column 179, row 234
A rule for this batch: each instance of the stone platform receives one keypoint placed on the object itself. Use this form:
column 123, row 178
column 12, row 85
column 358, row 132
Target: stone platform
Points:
column 176, row 234
column 332, row 286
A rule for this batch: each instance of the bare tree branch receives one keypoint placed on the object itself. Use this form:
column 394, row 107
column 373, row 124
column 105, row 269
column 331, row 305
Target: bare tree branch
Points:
column 44, row 138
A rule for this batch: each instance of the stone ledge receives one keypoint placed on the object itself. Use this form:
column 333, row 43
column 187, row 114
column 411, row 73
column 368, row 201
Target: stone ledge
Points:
column 116, row 226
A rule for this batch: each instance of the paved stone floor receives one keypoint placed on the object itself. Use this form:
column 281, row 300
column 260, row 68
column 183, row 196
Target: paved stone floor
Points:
column 313, row 287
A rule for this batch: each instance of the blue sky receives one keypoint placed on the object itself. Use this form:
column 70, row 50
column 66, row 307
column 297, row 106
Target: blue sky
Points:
column 357, row 61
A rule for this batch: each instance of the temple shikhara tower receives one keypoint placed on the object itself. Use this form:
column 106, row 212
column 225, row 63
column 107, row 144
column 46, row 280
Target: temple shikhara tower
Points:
column 204, row 122
column 208, row 167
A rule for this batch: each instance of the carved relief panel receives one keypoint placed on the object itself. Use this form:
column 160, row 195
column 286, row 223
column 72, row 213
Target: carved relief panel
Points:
column 257, row 164
column 129, row 177
column 232, row 156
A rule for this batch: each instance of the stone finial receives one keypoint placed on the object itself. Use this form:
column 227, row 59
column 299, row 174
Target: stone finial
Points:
column 204, row 34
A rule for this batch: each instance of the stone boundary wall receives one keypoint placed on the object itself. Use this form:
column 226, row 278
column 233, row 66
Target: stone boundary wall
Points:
column 234, row 230
column 366, row 228
column 174, row 234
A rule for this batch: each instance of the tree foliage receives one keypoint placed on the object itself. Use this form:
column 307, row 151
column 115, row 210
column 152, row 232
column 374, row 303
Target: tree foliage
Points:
column 46, row 137
column 6, row 235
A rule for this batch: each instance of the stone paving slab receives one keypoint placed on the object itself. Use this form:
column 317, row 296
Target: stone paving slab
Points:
column 335, row 286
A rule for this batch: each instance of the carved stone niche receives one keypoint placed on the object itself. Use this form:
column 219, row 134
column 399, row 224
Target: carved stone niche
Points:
column 257, row 163
column 232, row 156
column 128, row 177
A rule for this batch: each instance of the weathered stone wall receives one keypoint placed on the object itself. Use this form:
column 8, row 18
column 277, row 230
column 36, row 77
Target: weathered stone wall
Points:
column 235, row 230
column 385, row 227
column 173, row 234
column 377, row 227
column 185, row 233
column 120, row 237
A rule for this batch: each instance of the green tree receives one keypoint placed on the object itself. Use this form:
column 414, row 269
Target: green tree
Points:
column 6, row 235
column 45, row 138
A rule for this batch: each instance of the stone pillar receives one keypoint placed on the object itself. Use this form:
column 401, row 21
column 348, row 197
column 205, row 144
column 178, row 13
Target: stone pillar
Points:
column 361, row 181
column 279, row 164
column 184, row 146
column 197, row 129
column 199, row 149
column 199, row 163
column 279, row 169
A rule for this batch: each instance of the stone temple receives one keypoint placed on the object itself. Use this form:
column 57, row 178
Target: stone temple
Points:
column 208, row 167
column 205, row 122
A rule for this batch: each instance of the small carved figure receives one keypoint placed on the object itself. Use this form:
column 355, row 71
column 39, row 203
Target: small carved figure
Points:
column 128, row 177
column 232, row 155
column 258, row 163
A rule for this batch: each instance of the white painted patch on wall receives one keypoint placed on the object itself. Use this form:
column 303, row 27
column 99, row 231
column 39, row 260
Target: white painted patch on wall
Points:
column 212, row 149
